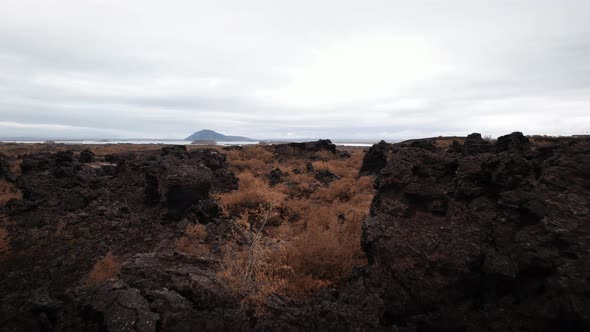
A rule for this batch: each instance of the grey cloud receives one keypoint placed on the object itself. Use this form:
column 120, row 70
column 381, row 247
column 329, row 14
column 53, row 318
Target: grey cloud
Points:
column 371, row 69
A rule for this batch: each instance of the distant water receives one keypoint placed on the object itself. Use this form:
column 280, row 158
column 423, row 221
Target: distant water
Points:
column 353, row 144
column 155, row 141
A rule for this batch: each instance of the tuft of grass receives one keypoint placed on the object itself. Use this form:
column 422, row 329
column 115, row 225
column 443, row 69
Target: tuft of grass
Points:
column 192, row 242
column 105, row 268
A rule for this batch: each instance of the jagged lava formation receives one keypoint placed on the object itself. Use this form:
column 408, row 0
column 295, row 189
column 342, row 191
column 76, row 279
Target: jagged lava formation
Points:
column 481, row 236
column 132, row 203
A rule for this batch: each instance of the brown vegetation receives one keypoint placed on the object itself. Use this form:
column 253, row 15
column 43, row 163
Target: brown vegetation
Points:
column 192, row 242
column 297, row 236
column 105, row 268
column 8, row 191
column 255, row 159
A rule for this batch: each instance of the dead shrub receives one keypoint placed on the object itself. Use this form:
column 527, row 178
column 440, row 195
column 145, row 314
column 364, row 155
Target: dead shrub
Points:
column 197, row 231
column 296, row 209
column 324, row 155
column 105, row 268
column 326, row 254
column 191, row 247
column 300, row 185
column 252, row 273
column 252, row 194
column 341, row 167
column 192, row 242
column 347, row 189
column 247, row 195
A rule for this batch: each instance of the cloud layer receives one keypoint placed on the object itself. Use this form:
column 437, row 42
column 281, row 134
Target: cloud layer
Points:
column 268, row 69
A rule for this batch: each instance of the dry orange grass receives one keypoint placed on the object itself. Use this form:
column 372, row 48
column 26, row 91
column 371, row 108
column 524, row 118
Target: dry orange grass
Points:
column 325, row 155
column 256, row 159
column 251, row 273
column 297, row 236
column 105, row 268
column 192, row 242
column 347, row 189
column 253, row 194
column 197, row 231
column 342, row 167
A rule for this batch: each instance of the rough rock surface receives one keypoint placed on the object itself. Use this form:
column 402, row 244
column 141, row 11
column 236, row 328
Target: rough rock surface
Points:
column 4, row 167
column 488, row 237
column 86, row 156
column 375, row 159
column 304, row 148
column 75, row 210
column 325, row 176
column 276, row 176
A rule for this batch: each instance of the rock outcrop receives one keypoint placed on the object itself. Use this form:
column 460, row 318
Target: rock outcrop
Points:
column 76, row 208
column 5, row 172
column 306, row 148
column 375, row 159
column 485, row 236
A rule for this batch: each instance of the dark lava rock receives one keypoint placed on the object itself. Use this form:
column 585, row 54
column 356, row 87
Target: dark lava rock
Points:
column 209, row 158
column 73, row 213
column 305, row 148
column 474, row 144
column 4, row 167
column 425, row 143
column 276, row 176
column 64, row 158
column 174, row 150
column 117, row 308
column 183, row 188
column 375, row 159
column 485, row 241
column 514, row 142
column 232, row 148
column 180, row 179
column 325, row 176
column 86, row 156
column 455, row 147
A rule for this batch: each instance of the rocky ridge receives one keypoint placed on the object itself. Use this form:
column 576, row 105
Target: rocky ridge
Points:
column 483, row 236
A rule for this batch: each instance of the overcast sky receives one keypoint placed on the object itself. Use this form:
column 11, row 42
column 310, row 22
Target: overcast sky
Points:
column 274, row 69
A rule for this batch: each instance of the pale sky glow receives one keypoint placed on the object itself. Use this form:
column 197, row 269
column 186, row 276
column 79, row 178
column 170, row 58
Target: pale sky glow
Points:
column 274, row 69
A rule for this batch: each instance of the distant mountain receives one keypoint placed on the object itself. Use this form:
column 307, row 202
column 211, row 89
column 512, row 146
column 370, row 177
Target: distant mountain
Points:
column 210, row 135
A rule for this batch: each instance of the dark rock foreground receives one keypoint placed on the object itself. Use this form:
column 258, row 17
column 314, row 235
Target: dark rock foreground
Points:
column 478, row 236
column 481, row 237
column 76, row 208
